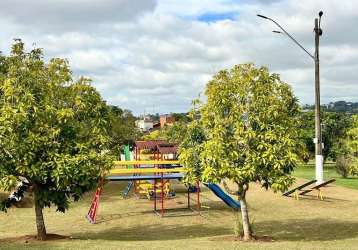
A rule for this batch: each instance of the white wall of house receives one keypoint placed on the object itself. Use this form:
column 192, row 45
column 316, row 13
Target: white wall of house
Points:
column 144, row 125
column 123, row 158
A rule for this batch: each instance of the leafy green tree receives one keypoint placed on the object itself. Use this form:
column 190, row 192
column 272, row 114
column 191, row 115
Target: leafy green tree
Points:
column 246, row 133
column 334, row 128
column 53, row 130
column 306, row 125
column 154, row 135
column 176, row 132
column 353, row 136
column 351, row 144
column 173, row 133
column 181, row 117
column 122, row 128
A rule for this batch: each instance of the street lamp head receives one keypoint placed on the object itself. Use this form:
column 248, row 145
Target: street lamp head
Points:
column 320, row 14
column 264, row 17
column 276, row 31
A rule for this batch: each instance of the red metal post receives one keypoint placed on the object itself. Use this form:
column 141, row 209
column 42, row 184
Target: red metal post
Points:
column 189, row 196
column 198, row 195
column 155, row 195
column 162, row 195
column 135, row 166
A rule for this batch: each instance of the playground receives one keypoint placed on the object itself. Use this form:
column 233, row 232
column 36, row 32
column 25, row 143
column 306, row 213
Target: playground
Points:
column 143, row 204
column 130, row 224
column 153, row 179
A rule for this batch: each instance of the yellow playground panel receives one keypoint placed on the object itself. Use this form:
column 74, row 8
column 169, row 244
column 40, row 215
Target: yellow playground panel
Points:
column 148, row 189
column 146, row 170
column 149, row 162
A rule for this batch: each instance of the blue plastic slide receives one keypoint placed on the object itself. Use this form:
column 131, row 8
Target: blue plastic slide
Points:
column 222, row 195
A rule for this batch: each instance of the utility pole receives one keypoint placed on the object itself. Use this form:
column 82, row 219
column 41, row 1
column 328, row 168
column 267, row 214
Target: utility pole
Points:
column 318, row 133
column 318, row 139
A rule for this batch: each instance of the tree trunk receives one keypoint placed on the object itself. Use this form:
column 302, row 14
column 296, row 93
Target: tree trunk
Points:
column 40, row 223
column 245, row 213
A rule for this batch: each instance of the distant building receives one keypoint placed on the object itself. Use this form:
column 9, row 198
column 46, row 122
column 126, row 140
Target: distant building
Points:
column 166, row 120
column 144, row 124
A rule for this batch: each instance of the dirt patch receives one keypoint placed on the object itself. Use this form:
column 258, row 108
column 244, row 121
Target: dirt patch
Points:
column 33, row 238
column 25, row 202
column 255, row 238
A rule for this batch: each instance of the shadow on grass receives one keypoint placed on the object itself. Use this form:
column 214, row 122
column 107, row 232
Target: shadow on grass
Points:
column 215, row 207
column 156, row 232
column 306, row 229
column 314, row 198
column 3, row 196
column 117, row 216
column 288, row 230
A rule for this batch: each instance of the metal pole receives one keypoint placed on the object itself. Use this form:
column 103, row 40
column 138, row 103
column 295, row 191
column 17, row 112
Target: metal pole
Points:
column 318, row 141
column 198, row 196
column 162, row 196
column 188, row 197
column 155, row 195
column 318, row 133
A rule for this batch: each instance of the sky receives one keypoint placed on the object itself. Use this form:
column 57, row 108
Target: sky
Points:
column 156, row 56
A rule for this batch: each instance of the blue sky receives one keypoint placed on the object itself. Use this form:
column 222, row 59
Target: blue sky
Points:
column 209, row 17
column 159, row 55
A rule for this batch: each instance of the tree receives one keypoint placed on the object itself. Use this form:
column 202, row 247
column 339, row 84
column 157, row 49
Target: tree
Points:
column 246, row 133
column 306, row 125
column 334, row 128
column 181, row 117
column 154, row 135
column 176, row 132
column 347, row 151
column 53, row 130
column 122, row 128
column 353, row 136
column 172, row 133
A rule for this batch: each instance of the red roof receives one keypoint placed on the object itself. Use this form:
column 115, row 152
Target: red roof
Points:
column 168, row 148
column 160, row 146
column 152, row 145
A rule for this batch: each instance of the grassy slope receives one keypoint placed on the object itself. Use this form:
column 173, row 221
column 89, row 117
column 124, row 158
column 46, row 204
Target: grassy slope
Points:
column 130, row 224
column 308, row 172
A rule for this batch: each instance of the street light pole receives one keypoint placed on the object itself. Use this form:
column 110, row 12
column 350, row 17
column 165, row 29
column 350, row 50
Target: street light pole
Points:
column 315, row 57
column 318, row 145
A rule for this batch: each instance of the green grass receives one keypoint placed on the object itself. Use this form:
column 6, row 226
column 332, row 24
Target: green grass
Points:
column 131, row 224
column 307, row 171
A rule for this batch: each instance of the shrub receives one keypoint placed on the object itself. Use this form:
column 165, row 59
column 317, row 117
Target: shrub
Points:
column 343, row 166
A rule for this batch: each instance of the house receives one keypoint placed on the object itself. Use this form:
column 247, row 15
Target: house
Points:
column 144, row 124
column 166, row 120
column 159, row 149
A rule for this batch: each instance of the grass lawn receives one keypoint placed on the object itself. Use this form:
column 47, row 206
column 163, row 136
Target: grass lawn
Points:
column 131, row 224
column 307, row 171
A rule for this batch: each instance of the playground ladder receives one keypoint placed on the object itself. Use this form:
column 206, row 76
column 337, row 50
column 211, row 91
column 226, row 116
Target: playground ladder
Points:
column 128, row 188
column 91, row 216
column 127, row 157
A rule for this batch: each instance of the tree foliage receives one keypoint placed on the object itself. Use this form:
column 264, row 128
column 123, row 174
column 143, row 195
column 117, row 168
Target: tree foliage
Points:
column 334, row 129
column 122, row 128
column 53, row 130
column 247, row 132
column 172, row 133
column 349, row 148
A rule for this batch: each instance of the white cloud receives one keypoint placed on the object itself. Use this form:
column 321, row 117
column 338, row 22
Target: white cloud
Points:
column 143, row 54
column 65, row 15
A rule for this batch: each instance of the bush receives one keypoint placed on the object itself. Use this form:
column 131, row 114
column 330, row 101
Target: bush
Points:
column 353, row 170
column 343, row 166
